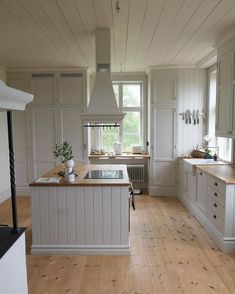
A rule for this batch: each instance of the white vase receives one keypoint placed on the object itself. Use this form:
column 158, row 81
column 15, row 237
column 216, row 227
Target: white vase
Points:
column 69, row 164
column 70, row 177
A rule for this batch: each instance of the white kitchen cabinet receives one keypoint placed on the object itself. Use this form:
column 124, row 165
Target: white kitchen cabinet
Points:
column 43, row 87
column 163, row 157
column 52, row 117
column 224, row 102
column 71, row 89
column 44, row 136
column 214, row 206
column 201, row 193
column 71, row 130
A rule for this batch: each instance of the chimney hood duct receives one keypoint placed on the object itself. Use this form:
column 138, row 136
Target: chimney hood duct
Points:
column 12, row 99
column 102, row 107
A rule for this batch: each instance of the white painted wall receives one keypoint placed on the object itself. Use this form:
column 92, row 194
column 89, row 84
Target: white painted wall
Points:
column 191, row 95
column 4, row 159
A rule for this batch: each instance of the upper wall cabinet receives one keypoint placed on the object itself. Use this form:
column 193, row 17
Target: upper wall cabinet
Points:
column 225, row 102
column 165, row 89
column 43, row 86
column 54, row 88
column 71, row 88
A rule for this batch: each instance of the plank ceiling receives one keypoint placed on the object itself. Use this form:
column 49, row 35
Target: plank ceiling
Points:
column 60, row 33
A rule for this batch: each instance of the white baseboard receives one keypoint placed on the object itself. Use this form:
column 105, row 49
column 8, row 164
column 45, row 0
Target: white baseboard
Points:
column 5, row 195
column 23, row 191
column 226, row 245
column 162, row 191
column 79, row 250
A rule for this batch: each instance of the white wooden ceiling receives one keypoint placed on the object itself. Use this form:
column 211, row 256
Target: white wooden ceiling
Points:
column 60, row 33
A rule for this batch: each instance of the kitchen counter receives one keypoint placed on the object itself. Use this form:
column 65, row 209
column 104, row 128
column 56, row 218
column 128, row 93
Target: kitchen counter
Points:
column 86, row 217
column 81, row 171
column 225, row 173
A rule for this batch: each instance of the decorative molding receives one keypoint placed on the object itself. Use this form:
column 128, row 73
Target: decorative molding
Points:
column 79, row 250
column 179, row 66
column 225, row 36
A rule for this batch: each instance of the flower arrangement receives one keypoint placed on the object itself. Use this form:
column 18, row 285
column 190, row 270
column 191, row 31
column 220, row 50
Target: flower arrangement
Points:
column 205, row 144
column 64, row 151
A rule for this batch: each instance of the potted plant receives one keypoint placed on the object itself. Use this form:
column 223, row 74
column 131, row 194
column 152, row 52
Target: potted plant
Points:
column 65, row 153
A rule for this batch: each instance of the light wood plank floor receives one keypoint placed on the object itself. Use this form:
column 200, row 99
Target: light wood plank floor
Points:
column 170, row 253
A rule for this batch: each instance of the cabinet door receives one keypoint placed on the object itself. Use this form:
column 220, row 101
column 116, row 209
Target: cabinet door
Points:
column 43, row 86
column 72, row 131
column 191, row 185
column 224, row 102
column 163, row 162
column 201, row 199
column 43, row 139
column 71, row 88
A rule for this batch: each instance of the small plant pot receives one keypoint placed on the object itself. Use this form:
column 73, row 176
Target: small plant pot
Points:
column 69, row 164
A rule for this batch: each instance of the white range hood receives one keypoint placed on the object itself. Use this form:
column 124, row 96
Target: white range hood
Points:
column 102, row 107
column 12, row 99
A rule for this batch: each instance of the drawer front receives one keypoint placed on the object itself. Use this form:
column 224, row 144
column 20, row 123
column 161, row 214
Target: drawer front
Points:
column 216, row 221
column 216, row 207
column 217, row 184
column 216, row 195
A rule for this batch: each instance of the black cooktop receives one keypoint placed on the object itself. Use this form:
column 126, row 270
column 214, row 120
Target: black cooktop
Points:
column 104, row 174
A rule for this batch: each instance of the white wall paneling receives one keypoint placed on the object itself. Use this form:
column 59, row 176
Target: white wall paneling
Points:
column 191, row 95
column 80, row 220
column 172, row 91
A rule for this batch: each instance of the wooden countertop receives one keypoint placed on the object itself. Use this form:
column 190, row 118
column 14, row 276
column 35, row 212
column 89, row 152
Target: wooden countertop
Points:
column 81, row 171
column 122, row 156
column 225, row 173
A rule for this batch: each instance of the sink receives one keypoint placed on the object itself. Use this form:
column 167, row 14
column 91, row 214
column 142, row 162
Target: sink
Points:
column 191, row 163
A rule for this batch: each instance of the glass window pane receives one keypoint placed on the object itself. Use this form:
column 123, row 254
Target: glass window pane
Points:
column 225, row 148
column 131, row 96
column 109, row 137
column 131, row 130
column 116, row 92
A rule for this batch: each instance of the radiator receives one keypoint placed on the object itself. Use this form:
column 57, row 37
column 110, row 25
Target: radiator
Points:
column 136, row 172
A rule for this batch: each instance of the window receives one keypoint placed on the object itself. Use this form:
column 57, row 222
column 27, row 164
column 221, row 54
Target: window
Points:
column 129, row 100
column 224, row 144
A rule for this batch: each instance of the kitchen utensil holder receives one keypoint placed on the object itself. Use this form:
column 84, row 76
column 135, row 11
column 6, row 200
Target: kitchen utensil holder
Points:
column 192, row 117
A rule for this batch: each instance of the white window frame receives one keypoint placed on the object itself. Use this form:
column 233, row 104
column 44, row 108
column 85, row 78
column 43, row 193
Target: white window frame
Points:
column 123, row 109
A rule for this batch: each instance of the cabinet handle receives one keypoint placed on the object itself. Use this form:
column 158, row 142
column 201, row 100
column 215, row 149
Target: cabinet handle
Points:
column 200, row 174
column 215, row 205
column 215, row 183
column 215, row 194
column 214, row 216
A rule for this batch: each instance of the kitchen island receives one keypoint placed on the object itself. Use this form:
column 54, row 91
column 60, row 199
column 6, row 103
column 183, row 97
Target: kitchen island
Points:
column 89, row 216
